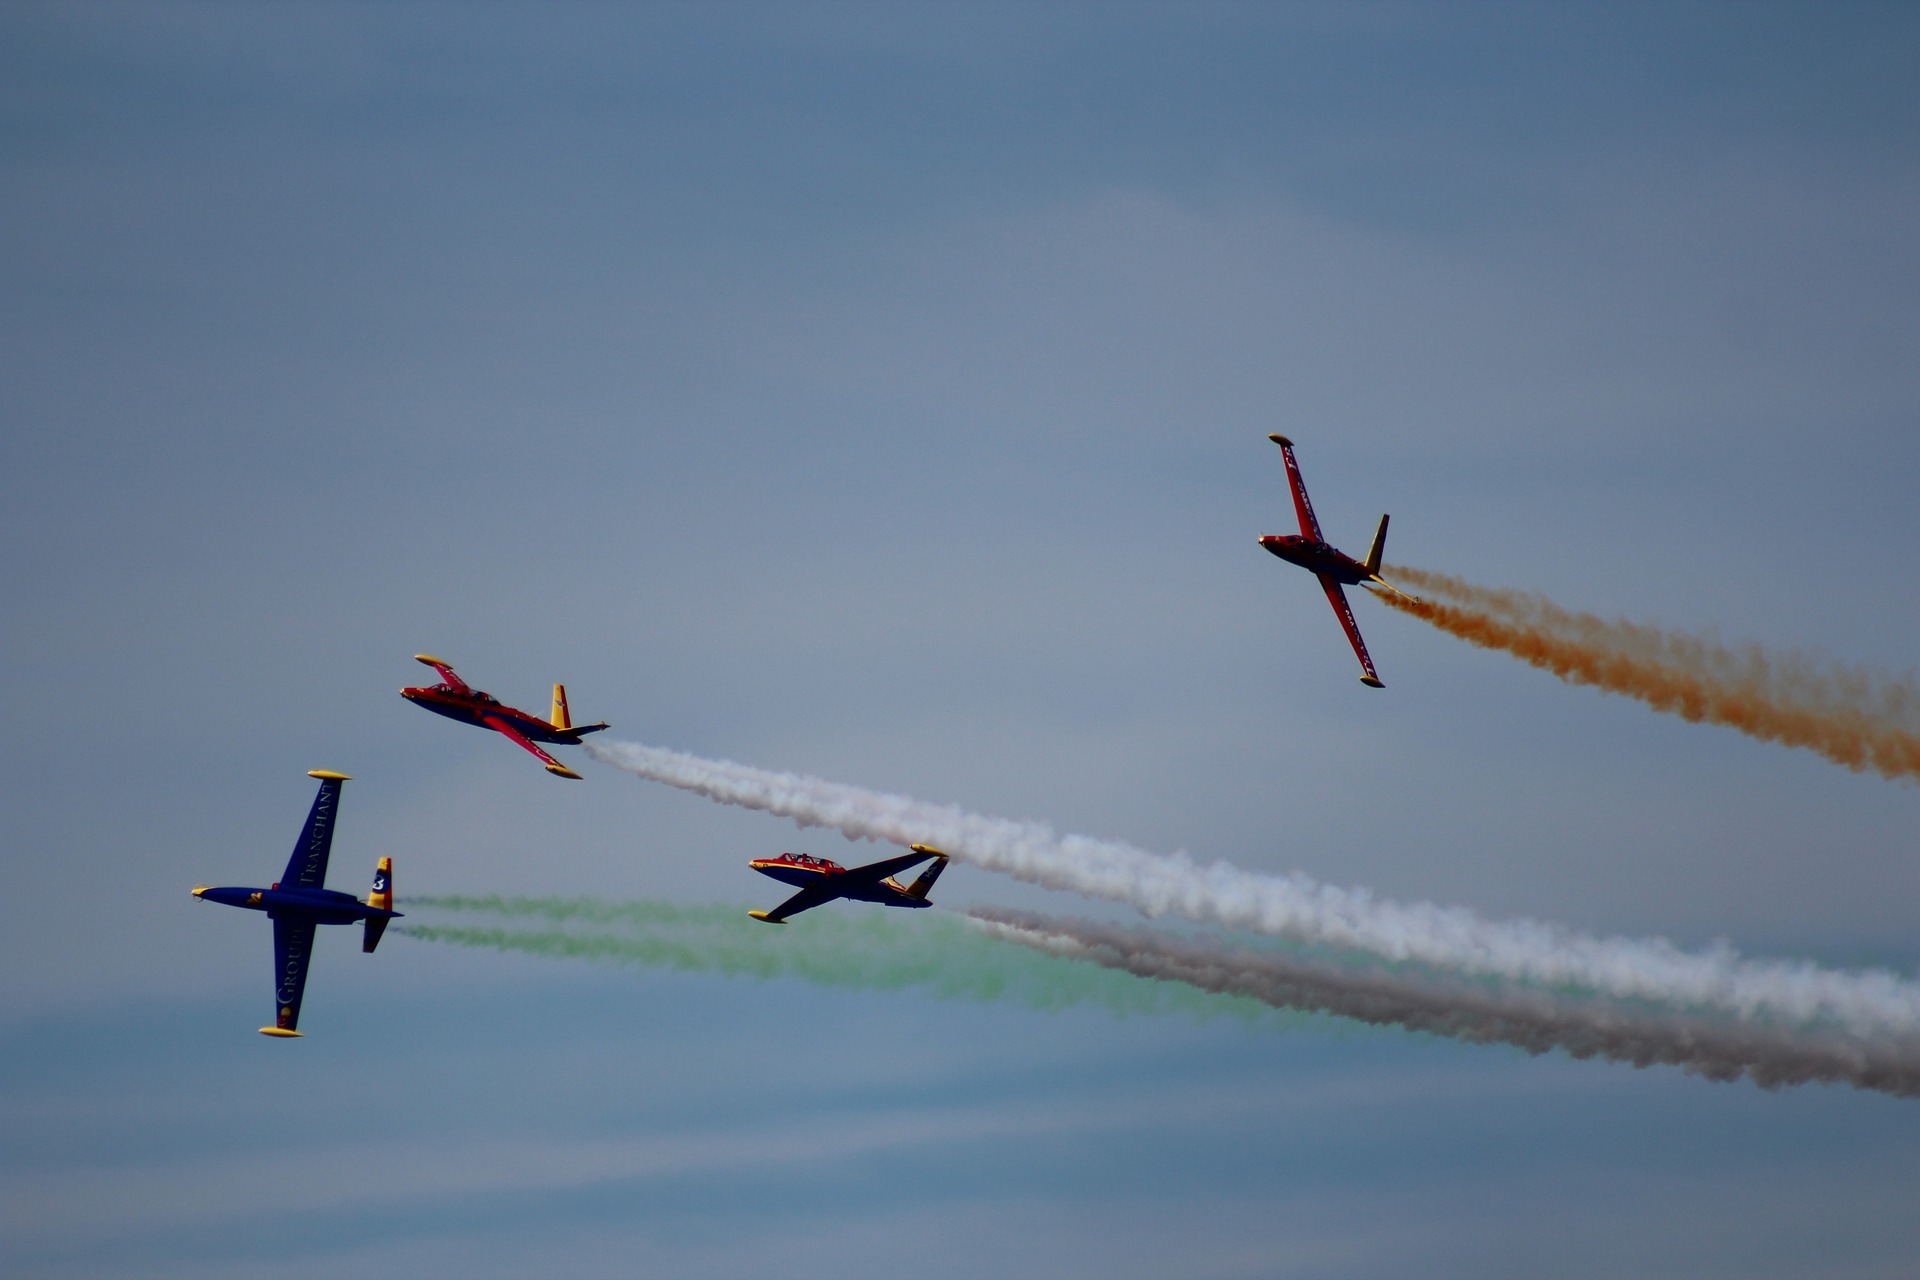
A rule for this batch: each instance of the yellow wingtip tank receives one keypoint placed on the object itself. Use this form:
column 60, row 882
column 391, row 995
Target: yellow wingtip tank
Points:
column 200, row 889
column 561, row 771
column 281, row 1032
column 768, row 917
column 328, row 775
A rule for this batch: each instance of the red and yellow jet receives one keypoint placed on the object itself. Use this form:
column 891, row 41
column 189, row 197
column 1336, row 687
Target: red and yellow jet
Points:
column 457, row 700
column 1310, row 551
column 822, row 881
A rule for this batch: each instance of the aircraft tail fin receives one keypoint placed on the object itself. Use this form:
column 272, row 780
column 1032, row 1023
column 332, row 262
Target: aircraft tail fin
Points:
column 1378, row 549
column 921, row 887
column 381, row 898
column 563, row 718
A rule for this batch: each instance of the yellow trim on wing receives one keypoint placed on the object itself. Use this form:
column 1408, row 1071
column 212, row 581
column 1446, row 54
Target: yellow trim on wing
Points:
column 281, row 1032
column 328, row 775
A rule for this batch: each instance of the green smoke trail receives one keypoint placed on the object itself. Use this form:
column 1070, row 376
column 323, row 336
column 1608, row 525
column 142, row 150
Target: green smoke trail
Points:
column 862, row 950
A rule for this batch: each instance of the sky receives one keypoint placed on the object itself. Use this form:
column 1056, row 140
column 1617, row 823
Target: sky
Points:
column 879, row 391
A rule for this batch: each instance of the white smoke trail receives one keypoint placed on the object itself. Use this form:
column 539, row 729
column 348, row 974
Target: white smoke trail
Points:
column 1532, row 1020
column 1864, row 1002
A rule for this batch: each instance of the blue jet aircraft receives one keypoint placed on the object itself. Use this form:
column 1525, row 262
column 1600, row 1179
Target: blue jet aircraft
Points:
column 822, row 881
column 300, row 901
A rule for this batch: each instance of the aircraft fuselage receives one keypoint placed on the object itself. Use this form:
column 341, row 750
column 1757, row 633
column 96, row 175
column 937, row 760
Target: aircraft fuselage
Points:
column 473, row 707
column 888, row 892
column 1318, row 557
column 320, row 906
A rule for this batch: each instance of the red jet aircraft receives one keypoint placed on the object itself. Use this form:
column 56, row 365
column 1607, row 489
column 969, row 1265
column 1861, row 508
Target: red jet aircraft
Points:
column 1310, row 551
column 822, row 881
column 456, row 699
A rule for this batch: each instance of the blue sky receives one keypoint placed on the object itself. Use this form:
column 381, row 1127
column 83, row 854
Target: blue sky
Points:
column 880, row 391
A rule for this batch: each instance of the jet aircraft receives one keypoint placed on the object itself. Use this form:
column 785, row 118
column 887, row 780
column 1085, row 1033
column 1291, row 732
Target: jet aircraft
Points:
column 456, row 699
column 299, row 901
column 1310, row 551
column 822, row 881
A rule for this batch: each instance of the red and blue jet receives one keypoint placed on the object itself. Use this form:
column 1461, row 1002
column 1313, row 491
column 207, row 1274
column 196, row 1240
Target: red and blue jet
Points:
column 822, row 881
column 1310, row 551
column 300, row 901
column 457, row 700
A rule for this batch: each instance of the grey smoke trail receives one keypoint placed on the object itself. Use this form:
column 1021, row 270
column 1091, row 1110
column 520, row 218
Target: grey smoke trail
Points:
column 1869, row 1002
column 1533, row 1020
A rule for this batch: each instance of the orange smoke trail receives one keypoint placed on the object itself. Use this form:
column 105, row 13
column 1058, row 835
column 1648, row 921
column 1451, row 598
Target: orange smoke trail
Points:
column 1852, row 717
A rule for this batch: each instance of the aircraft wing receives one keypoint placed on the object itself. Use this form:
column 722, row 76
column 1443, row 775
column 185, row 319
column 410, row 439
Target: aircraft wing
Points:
column 500, row 725
column 292, row 948
column 1308, row 524
column 805, row 900
column 307, row 868
column 1338, row 599
column 447, row 676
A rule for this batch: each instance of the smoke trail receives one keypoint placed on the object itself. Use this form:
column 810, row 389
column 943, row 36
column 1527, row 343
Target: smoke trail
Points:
column 1296, row 907
column 1137, row 971
column 1851, row 716
column 854, row 950
column 1534, row 1021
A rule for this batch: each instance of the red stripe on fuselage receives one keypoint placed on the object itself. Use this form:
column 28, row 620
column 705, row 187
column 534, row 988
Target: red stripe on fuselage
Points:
column 474, row 710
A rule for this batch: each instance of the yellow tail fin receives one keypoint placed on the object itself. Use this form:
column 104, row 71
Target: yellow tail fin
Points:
column 382, row 895
column 562, row 718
